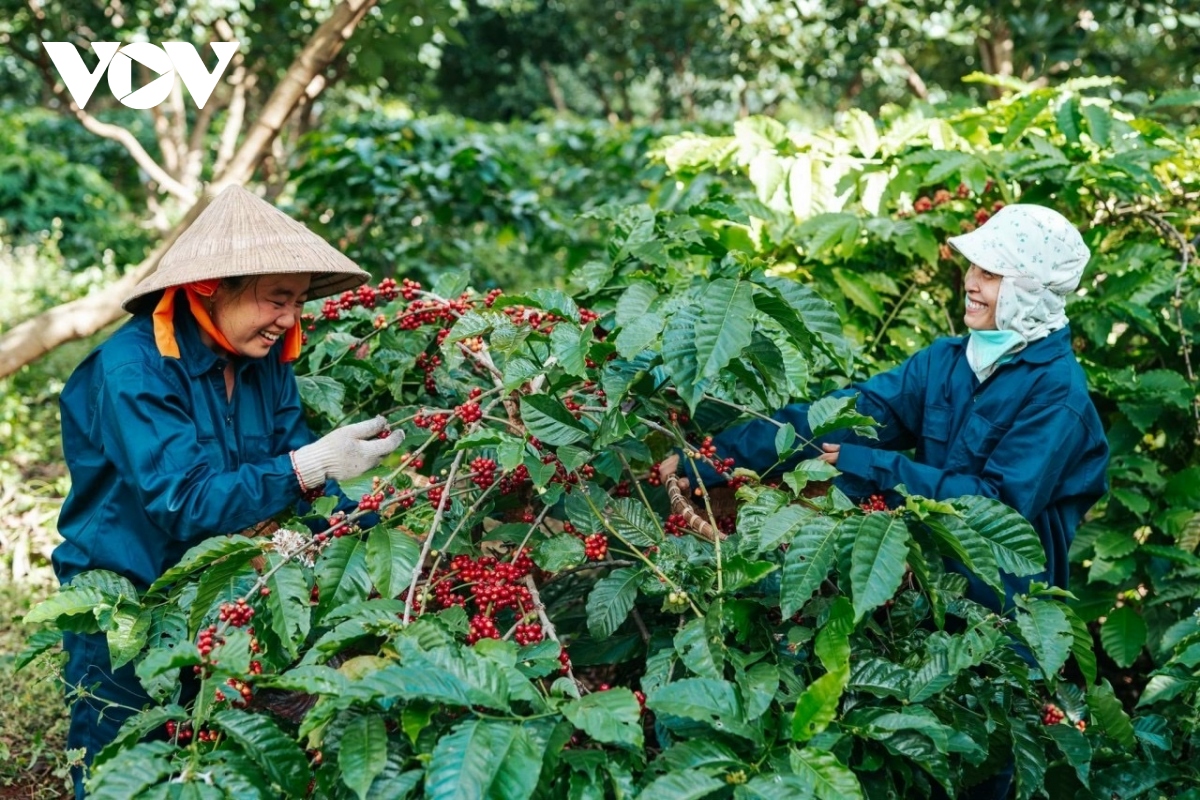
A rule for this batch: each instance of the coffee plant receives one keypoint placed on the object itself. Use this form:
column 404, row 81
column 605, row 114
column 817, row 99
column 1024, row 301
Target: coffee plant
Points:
column 539, row 613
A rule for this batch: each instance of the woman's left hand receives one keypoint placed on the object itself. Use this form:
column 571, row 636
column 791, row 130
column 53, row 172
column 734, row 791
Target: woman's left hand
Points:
column 830, row 456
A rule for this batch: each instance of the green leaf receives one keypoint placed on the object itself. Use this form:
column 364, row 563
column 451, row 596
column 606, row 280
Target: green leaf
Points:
column 1029, row 756
column 828, row 777
column 1069, row 119
column 723, row 330
column 132, row 772
column 817, row 706
column 741, row 573
column 137, row 726
column 313, row 679
column 633, row 522
column 1075, row 746
column 569, row 345
column 862, row 131
column 219, row 579
column 825, row 232
column 611, row 600
column 877, row 559
column 558, row 553
column 37, row 643
column 1123, row 635
column 323, row 394
column 1099, row 123
column 68, row 601
column 639, row 334
column 635, row 302
column 858, row 291
column 1107, row 712
column 288, row 604
column 680, row 356
column 960, row 541
column 835, row 413
column 1047, row 632
column 1015, row 544
column 392, row 555
column 1082, row 647
column 809, row 558
column 686, row 785
column 484, row 759
column 612, row 717
column 275, row 753
column 362, row 753
column 127, row 636
column 813, row 469
column 342, row 576
column 1134, row 779
column 550, row 421
column 472, row 324
column 695, row 648
column 712, row 702
column 1028, row 109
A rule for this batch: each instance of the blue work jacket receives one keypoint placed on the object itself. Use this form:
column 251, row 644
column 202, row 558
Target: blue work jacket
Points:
column 161, row 459
column 1028, row 436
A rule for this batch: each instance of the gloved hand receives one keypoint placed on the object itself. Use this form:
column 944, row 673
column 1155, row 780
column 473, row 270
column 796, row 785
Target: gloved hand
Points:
column 346, row 452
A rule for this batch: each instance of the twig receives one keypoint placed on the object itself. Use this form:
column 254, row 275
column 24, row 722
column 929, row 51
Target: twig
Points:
column 427, row 545
column 547, row 625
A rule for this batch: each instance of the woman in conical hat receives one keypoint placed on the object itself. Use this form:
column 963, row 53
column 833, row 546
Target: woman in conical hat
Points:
column 187, row 422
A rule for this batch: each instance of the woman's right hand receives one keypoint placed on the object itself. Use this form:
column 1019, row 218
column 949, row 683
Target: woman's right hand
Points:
column 668, row 467
column 344, row 453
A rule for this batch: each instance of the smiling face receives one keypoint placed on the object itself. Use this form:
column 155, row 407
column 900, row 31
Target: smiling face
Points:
column 253, row 316
column 983, row 289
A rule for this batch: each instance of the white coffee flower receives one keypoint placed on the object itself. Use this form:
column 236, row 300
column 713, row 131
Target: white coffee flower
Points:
column 293, row 544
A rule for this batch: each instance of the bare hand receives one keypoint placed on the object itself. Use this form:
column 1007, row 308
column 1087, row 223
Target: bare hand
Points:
column 830, row 456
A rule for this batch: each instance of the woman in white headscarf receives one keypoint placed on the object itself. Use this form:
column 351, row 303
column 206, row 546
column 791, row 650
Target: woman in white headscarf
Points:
column 1002, row 412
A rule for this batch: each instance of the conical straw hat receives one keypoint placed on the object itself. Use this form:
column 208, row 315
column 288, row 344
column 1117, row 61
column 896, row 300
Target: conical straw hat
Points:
column 241, row 234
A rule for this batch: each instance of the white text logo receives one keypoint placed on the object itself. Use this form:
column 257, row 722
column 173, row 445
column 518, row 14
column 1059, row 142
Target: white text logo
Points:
column 172, row 58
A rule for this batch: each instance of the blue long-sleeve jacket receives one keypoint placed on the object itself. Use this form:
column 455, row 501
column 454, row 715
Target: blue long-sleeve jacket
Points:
column 160, row 459
column 1028, row 436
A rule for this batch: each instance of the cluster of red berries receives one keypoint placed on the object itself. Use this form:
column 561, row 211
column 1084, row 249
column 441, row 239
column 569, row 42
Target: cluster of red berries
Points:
column 515, row 480
column 676, row 525
column 586, row 315
column 256, row 668
column 409, row 289
column 482, row 627
column 236, row 614
column 436, row 423
column 370, row 501
column 388, row 289
column 207, row 640
column 540, row 321
column 575, row 407
column 874, row 503
column 435, row 493
column 565, row 660
column 1052, row 714
column 529, row 633
column 442, row 313
column 469, row 412
column 483, row 472
column 727, row 524
column 242, row 693
column 490, row 299
column 184, row 731
column 595, row 547
column 428, row 363
column 623, row 489
column 654, row 478
column 208, row 736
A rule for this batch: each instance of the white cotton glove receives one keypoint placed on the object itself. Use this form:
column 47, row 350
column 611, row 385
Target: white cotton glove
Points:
column 344, row 453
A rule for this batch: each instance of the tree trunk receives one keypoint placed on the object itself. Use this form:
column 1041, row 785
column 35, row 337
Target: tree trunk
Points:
column 996, row 50
column 555, row 91
column 79, row 318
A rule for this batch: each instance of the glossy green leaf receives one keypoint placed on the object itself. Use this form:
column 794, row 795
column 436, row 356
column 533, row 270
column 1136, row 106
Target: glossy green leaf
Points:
column 279, row 757
column 484, row 759
column 559, row 553
column 809, row 558
column 1123, row 635
column 687, row 785
column 287, row 605
column 877, row 559
column 612, row 717
column 611, row 600
column 362, row 753
column 829, row 778
column 724, row 326
column 1108, row 714
column 1047, row 631
column 392, row 555
column 550, row 421
column 341, row 573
